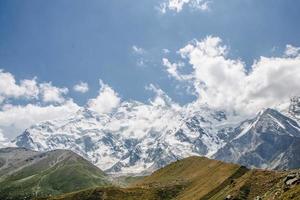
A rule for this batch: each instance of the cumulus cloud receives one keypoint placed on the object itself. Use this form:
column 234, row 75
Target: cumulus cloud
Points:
column 29, row 89
column 225, row 83
column 292, row 51
column 52, row 94
column 106, row 100
column 177, row 5
column 14, row 119
column 9, row 88
column 81, row 87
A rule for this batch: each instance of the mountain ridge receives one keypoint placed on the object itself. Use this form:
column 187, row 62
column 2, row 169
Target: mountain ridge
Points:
column 264, row 143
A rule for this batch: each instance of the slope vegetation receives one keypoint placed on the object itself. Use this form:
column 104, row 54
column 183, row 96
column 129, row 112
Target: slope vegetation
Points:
column 27, row 174
column 199, row 178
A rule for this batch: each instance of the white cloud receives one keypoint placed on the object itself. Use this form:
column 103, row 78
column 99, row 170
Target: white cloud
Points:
column 177, row 5
column 9, row 88
column 52, row 94
column 140, row 54
column 136, row 119
column 292, row 51
column 4, row 142
column 14, row 119
column 201, row 4
column 162, row 8
column 81, row 87
column 138, row 50
column 172, row 68
column 29, row 89
column 106, row 100
column 223, row 82
column 166, row 51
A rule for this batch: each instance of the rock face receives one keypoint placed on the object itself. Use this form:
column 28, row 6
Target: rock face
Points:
column 137, row 138
column 292, row 179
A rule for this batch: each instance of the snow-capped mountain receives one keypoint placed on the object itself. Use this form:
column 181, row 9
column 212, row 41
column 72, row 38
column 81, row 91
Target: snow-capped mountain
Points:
column 139, row 138
column 135, row 138
column 270, row 140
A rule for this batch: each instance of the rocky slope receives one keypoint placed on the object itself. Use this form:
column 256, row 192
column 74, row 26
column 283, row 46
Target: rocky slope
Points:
column 26, row 174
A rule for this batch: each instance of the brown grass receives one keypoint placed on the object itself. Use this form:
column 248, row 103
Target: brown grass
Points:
column 196, row 178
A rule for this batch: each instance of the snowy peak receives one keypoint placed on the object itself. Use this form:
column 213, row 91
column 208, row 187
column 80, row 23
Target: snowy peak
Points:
column 267, row 121
column 271, row 120
column 264, row 142
column 135, row 138
column 140, row 138
column 87, row 113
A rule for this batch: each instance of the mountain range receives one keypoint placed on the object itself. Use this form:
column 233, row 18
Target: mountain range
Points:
column 138, row 139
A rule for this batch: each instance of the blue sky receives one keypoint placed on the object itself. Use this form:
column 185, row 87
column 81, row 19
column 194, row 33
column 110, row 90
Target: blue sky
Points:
column 212, row 52
column 65, row 41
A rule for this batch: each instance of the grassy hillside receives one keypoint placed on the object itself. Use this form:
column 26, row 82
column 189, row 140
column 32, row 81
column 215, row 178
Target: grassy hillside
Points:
column 204, row 179
column 43, row 174
column 252, row 184
column 197, row 178
column 198, row 175
column 114, row 193
column 190, row 178
column 67, row 176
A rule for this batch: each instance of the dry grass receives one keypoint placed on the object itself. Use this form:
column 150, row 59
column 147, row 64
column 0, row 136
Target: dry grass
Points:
column 197, row 178
column 199, row 175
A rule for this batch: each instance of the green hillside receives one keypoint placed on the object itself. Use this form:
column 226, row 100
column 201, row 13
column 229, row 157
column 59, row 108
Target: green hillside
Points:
column 42, row 174
column 63, row 175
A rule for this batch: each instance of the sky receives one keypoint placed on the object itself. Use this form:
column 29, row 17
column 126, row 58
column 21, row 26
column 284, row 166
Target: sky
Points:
column 57, row 56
